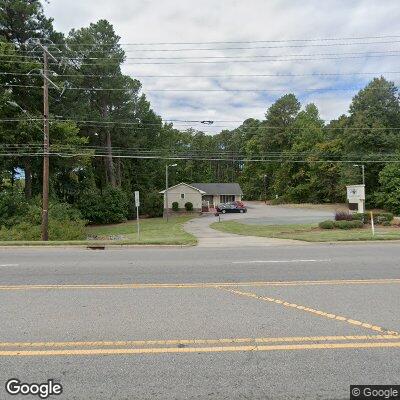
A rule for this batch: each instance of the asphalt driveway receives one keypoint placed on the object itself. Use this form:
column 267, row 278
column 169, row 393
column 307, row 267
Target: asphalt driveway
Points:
column 262, row 214
column 258, row 213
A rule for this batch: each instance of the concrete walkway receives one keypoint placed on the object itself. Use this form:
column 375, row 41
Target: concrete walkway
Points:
column 208, row 237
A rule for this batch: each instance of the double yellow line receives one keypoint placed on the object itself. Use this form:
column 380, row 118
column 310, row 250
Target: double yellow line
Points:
column 201, row 285
column 137, row 347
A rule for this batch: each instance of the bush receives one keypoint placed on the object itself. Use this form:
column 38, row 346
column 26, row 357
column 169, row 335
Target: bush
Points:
column 189, row 206
column 175, row 206
column 278, row 201
column 22, row 220
column 343, row 216
column 57, row 211
column 153, row 204
column 13, row 207
column 114, row 205
column 326, row 225
column 359, row 217
column 380, row 217
column 110, row 207
column 67, row 230
column 58, row 230
column 341, row 224
column 348, row 224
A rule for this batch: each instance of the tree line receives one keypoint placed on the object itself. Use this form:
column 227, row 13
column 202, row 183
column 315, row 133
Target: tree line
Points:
column 291, row 155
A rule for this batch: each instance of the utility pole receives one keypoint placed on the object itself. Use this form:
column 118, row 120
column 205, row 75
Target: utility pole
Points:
column 46, row 138
column 46, row 141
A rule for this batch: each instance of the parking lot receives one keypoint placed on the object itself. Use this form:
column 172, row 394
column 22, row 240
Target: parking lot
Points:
column 257, row 213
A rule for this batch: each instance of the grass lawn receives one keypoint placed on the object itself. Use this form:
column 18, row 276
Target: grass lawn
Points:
column 307, row 232
column 152, row 231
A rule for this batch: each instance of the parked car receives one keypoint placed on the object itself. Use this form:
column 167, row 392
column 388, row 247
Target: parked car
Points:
column 239, row 203
column 231, row 208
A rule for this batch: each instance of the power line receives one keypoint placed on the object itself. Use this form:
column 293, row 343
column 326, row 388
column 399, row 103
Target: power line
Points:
column 188, row 90
column 173, row 157
column 209, row 76
column 366, row 55
column 289, row 154
column 128, row 50
column 84, row 58
column 141, row 125
column 234, row 42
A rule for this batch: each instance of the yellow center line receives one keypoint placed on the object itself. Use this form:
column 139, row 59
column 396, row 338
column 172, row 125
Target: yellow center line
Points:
column 285, row 347
column 313, row 311
column 127, row 343
column 200, row 285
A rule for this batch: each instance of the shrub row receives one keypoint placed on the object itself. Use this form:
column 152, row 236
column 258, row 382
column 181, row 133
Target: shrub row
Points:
column 379, row 217
column 342, row 224
column 188, row 206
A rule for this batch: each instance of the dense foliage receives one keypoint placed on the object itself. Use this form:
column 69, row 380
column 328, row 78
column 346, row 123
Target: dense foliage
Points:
column 21, row 219
column 109, row 206
column 299, row 157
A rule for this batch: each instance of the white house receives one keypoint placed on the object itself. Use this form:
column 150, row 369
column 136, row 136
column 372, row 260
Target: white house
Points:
column 202, row 194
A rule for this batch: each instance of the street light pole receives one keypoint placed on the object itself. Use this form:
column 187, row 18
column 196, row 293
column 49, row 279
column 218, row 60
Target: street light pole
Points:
column 362, row 171
column 166, row 189
column 166, row 192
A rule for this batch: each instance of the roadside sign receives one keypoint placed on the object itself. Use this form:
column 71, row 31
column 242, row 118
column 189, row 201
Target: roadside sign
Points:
column 137, row 201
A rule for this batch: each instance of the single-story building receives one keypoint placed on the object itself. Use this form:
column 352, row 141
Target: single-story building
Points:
column 202, row 194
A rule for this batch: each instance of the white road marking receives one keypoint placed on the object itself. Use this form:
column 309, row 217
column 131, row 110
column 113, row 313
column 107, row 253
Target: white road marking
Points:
column 277, row 261
column 9, row 265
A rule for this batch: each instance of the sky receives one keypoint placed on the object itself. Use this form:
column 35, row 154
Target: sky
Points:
column 259, row 37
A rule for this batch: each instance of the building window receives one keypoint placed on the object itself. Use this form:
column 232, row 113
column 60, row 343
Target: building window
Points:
column 182, row 195
column 227, row 198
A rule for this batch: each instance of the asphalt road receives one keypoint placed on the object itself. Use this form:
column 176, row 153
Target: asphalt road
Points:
column 298, row 322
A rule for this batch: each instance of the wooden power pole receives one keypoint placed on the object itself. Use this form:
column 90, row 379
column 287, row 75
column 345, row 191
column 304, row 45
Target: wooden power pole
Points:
column 46, row 142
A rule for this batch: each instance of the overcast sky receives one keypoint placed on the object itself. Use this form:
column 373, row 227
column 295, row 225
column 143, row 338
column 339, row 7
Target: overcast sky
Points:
column 142, row 21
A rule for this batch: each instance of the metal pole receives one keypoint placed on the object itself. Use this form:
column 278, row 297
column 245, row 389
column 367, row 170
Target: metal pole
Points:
column 137, row 222
column 166, row 192
column 45, row 199
column 363, row 173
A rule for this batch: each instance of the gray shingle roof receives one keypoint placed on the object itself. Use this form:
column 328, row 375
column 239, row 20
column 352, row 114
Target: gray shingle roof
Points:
column 219, row 188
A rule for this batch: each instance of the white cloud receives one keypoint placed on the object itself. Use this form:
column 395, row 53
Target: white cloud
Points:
column 141, row 21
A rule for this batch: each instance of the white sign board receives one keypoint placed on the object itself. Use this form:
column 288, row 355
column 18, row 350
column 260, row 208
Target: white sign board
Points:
column 355, row 193
column 137, row 201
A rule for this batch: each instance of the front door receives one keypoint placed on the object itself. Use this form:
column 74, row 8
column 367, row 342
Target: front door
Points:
column 208, row 199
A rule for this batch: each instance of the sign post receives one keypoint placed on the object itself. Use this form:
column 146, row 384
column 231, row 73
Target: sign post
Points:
column 137, row 204
column 372, row 224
